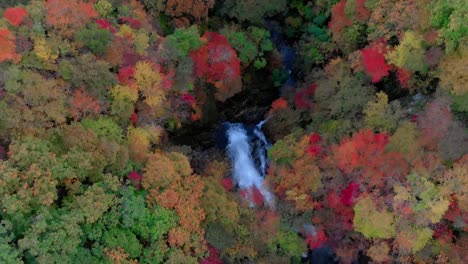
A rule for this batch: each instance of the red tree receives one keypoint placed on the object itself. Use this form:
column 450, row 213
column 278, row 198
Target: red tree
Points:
column 213, row 258
column 217, row 61
column 7, row 44
column 362, row 13
column 373, row 59
column 15, row 15
column 83, row 104
column 339, row 19
column 316, row 239
column 404, row 76
column 302, row 98
column 315, row 148
column 364, row 154
column 69, row 15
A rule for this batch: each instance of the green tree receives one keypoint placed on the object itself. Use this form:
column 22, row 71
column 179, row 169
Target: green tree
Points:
column 288, row 243
column 89, row 73
column 94, row 38
column 9, row 253
column 253, row 12
column 183, row 40
column 54, row 237
column 450, row 16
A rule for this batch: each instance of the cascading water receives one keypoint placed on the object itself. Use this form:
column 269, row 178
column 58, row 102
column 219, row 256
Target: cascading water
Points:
column 247, row 148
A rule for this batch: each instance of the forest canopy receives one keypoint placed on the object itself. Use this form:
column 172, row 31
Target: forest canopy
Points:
column 109, row 110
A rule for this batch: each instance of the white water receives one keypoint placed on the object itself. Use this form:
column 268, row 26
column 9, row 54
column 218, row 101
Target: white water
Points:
column 244, row 170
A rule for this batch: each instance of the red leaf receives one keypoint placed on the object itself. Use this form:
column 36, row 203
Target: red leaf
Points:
column 253, row 195
column 227, row 184
column 373, row 59
column 316, row 239
column 126, row 74
column 15, row 15
column 362, row 13
column 8, row 46
column 349, row 194
column 404, row 76
column 217, row 60
column 339, row 19
column 134, row 118
column 134, row 23
column 213, row 257
column 314, row 138
column 135, row 179
column 134, row 176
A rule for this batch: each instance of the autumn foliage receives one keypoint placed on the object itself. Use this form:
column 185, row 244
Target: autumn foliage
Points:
column 218, row 63
column 339, row 19
column 70, row 15
column 374, row 62
column 7, row 42
column 364, row 154
column 15, row 15
column 82, row 104
column 108, row 109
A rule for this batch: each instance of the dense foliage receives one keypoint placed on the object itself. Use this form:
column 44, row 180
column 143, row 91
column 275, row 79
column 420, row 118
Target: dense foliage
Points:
column 369, row 130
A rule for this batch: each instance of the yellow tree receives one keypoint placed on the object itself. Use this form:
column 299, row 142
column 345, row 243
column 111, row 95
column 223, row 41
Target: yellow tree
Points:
column 150, row 83
column 453, row 75
column 381, row 115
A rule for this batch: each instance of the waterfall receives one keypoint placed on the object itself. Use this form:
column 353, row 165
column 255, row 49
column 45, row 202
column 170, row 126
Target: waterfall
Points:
column 247, row 149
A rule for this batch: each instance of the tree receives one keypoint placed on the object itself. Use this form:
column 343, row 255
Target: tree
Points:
column 218, row 63
column 448, row 16
column 218, row 206
column 15, row 15
column 123, row 103
column 294, row 174
column 342, row 96
column 152, row 85
column 92, row 204
column 94, row 38
column 288, row 243
column 409, row 55
column 183, row 12
column 435, row 120
column 339, row 19
column 381, row 115
column 371, row 222
column 453, row 181
column 151, row 224
column 251, row 45
column 170, row 184
column 9, row 252
column 373, row 59
column 140, row 139
column 69, row 16
column 182, row 41
column 35, row 103
column 7, row 42
column 252, row 11
column 358, row 10
column 452, row 75
column 365, row 154
column 92, row 75
column 83, row 105
column 391, row 18
column 104, row 127
column 53, row 237
column 424, row 197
